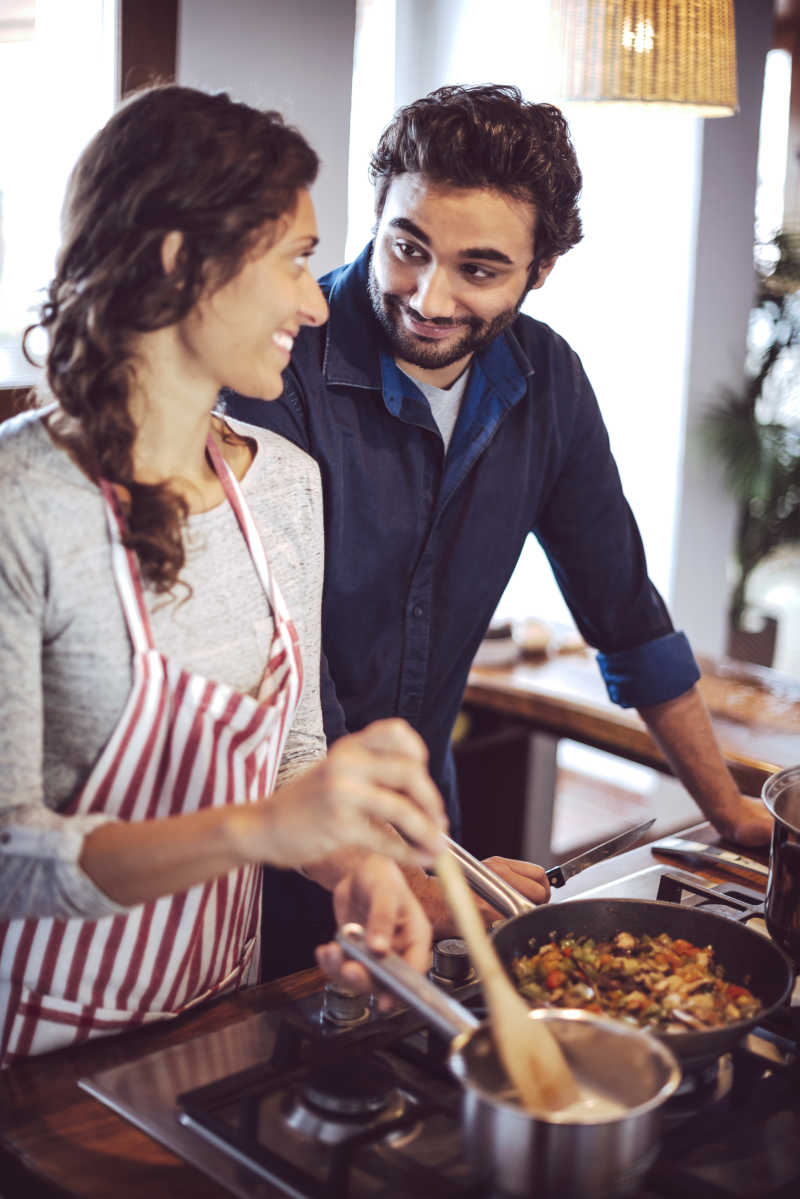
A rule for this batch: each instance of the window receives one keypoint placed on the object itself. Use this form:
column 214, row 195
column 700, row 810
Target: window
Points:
column 58, row 79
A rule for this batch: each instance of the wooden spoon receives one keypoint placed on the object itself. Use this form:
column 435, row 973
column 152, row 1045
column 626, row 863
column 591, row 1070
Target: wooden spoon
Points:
column 530, row 1054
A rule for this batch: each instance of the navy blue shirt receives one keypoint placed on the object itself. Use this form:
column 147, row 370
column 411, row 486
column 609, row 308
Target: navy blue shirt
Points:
column 419, row 544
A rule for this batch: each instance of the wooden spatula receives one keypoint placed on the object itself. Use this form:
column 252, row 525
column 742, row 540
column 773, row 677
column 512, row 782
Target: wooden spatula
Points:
column 528, row 1050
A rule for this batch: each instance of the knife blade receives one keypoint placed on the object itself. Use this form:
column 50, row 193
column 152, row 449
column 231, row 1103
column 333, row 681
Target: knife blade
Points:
column 558, row 875
column 698, row 851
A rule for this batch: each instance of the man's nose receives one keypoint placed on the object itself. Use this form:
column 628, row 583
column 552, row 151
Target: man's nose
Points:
column 433, row 297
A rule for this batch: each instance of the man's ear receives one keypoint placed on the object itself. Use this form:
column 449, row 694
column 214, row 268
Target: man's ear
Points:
column 545, row 267
column 170, row 248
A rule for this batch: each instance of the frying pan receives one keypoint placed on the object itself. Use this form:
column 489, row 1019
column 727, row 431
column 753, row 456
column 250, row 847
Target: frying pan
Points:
column 748, row 958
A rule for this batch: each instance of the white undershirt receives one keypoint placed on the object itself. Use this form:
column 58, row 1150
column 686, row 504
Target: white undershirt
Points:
column 445, row 403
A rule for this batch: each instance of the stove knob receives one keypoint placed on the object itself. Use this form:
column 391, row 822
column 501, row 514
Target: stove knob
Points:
column 451, row 960
column 342, row 1006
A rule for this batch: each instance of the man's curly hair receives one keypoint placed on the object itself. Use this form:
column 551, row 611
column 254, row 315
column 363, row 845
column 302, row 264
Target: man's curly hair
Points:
column 489, row 137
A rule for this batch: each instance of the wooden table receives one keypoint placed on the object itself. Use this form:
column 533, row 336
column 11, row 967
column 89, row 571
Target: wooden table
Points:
column 57, row 1142
column 755, row 713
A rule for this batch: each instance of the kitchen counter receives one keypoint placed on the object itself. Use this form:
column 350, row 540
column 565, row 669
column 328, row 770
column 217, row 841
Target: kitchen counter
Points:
column 518, row 713
column 755, row 711
column 57, row 1142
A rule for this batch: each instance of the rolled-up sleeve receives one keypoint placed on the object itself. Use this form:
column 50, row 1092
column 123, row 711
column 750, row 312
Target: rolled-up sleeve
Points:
column 652, row 673
column 40, row 869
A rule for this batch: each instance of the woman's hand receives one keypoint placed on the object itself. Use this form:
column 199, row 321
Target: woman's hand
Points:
column 377, row 896
column 375, row 777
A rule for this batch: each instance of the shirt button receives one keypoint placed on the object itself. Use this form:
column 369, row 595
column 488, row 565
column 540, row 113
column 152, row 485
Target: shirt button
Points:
column 5, row 838
column 416, row 611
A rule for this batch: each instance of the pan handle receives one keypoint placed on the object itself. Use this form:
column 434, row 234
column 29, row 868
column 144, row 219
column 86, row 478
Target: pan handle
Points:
column 449, row 1017
column 490, row 886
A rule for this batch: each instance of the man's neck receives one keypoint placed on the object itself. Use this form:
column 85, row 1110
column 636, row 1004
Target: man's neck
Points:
column 442, row 376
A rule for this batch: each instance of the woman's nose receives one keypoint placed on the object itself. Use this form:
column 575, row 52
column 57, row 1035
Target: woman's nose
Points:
column 314, row 307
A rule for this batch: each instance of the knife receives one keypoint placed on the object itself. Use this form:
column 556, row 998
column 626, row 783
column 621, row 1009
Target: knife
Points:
column 558, row 875
column 501, row 895
column 698, row 851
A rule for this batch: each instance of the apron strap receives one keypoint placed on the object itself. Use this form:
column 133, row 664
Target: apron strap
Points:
column 233, row 492
column 126, row 575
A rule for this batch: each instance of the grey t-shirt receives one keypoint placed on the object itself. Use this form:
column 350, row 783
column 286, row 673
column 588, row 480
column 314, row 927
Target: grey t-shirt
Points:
column 65, row 654
column 445, row 402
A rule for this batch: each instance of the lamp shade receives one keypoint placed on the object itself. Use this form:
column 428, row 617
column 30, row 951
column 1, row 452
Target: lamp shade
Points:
column 663, row 52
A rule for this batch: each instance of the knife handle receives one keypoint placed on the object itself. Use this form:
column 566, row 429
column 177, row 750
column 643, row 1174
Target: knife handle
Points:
column 555, row 877
column 682, row 847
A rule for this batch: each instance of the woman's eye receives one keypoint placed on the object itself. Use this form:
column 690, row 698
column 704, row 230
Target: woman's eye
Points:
column 303, row 260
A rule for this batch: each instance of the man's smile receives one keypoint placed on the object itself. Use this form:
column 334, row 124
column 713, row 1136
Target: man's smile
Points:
column 433, row 330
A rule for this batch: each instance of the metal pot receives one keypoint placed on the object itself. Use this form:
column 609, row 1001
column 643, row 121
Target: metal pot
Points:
column 747, row 957
column 781, row 794
column 546, row 1155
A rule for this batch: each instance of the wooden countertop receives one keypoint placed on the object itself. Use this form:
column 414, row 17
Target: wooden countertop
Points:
column 755, row 711
column 57, row 1142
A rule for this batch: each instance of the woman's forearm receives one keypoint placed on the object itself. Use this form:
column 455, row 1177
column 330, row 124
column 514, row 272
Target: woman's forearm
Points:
column 136, row 862
column 369, row 782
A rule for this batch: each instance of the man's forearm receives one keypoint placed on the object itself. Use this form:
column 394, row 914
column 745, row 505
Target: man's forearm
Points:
column 682, row 728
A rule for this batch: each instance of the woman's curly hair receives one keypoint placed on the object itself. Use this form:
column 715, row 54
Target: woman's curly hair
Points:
column 171, row 158
column 489, row 137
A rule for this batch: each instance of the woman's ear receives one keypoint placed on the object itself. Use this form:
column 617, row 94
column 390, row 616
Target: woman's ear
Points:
column 170, row 248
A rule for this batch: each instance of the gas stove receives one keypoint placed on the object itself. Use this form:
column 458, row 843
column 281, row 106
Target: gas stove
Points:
column 328, row 1099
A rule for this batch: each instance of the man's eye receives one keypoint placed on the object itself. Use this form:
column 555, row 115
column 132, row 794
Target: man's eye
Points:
column 303, row 260
column 478, row 273
column 407, row 250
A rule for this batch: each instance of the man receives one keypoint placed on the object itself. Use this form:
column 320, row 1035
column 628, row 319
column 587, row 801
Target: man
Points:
column 447, row 427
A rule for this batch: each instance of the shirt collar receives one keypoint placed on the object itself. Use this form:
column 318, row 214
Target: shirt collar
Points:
column 354, row 343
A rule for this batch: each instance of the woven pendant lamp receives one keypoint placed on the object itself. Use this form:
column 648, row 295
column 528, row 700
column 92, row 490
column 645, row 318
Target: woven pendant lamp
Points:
column 679, row 53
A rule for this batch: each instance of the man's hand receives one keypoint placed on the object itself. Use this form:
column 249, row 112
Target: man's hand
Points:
column 377, row 895
column 527, row 877
column 682, row 727
column 749, row 824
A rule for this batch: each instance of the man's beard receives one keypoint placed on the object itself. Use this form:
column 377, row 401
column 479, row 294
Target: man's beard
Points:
column 476, row 334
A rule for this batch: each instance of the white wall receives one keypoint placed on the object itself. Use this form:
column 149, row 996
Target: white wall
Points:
column 293, row 55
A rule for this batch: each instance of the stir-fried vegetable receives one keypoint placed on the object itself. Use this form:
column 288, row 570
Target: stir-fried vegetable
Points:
column 655, row 982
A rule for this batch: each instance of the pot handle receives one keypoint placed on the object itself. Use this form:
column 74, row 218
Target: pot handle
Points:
column 490, row 886
column 450, row 1017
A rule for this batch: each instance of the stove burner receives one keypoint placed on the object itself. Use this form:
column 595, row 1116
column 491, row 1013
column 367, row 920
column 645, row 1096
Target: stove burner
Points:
column 358, row 1087
column 700, row 1090
column 339, row 1101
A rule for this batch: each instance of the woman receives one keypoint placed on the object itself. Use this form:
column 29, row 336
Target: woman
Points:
column 160, row 582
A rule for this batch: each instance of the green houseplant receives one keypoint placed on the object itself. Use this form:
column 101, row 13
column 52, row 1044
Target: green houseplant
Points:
column 755, row 432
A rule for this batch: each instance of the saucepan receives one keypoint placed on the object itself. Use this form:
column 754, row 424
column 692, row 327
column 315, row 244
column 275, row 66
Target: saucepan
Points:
column 548, row 1155
column 748, row 958
column 781, row 794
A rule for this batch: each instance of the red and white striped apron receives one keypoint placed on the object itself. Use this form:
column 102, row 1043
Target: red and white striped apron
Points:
column 182, row 743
